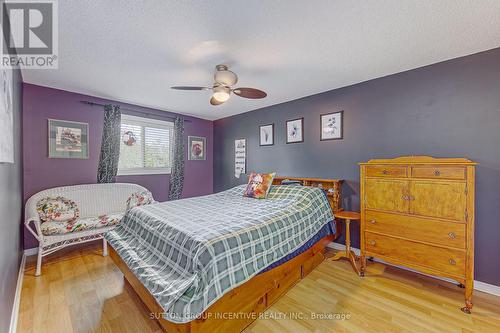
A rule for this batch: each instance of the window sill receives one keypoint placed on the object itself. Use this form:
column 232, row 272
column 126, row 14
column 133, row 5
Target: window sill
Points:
column 138, row 172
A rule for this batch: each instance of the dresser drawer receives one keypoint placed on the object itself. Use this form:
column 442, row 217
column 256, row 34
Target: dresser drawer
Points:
column 443, row 172
column 415, row 228
column 386, row 171
column 416, row 254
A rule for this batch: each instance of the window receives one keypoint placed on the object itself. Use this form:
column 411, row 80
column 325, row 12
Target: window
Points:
column 145, row 146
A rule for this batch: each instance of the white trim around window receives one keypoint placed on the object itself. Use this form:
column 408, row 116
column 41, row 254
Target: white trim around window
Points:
column 151, row 124
column 144, row 171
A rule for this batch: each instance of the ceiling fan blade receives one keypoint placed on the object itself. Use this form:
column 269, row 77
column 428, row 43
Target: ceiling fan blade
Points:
column 189, row 88
column 249, row 93
column 213, row 101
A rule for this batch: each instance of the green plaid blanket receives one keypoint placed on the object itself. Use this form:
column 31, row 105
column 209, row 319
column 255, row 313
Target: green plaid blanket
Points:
column 190, row 252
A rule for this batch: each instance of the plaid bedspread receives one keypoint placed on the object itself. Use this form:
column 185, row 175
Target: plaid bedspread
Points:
column 190, row 252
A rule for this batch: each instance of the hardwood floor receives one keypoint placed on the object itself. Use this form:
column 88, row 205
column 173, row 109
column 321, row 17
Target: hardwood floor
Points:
column 81, row 291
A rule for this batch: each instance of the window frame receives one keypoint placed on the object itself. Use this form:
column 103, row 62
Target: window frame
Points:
column 147, row 122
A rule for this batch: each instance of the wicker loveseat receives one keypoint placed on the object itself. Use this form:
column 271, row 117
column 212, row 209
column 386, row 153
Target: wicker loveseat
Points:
column 101, row 207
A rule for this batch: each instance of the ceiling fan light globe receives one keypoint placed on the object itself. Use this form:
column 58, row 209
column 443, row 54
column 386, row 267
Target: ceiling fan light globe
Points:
column 225, row 77
column 221, row 96
column 221, row 93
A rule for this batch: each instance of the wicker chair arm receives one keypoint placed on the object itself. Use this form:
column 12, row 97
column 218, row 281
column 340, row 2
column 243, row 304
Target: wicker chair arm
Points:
column 37, row 231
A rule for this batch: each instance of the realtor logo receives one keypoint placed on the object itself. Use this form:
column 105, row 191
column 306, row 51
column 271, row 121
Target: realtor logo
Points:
column 29, row 33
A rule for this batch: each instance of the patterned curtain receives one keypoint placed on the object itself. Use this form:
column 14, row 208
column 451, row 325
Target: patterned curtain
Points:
column 177, row 172
column 110, row 146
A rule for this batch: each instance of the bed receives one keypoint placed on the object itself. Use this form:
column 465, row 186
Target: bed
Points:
column 215, row 262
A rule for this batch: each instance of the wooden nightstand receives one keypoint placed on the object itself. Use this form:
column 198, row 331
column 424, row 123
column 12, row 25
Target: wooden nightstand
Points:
column 348, row 216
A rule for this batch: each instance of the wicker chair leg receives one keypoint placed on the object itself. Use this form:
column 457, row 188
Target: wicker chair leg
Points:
column 39, row 262
column 104, row 247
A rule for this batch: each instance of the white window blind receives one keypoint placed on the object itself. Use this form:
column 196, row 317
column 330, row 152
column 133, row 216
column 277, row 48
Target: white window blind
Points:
column 151, row 151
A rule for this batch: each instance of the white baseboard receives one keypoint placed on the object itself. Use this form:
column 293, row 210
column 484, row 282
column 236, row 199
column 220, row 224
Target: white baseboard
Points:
column 17, row 297
column 487, row 288
column 31, row 252
column 478, row 285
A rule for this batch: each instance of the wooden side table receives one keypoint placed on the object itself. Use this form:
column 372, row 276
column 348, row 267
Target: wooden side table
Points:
column 348, row 216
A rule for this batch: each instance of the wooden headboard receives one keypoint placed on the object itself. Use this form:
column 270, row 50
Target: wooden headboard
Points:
column 333, row 187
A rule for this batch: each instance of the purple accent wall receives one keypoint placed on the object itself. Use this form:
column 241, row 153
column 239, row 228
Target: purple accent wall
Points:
column 41, row 172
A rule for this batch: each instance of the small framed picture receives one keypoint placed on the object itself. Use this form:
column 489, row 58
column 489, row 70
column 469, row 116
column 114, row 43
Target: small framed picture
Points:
column 332, row 126
column 266, row 135
column 295, row 130
column 68, row 139
column 197, row 148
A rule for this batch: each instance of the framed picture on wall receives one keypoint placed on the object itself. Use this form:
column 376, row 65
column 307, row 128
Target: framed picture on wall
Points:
column 68, row 139
column 240, row 157
column 266, row 133
column 295, row 130
column 332, row 126
column 6, row 117
column 197, row 148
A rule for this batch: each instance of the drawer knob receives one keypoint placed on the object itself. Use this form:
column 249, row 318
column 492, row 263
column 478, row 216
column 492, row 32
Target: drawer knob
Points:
column 385, row 172
column 373, row 243
column 437, row 173
column 452, row 235
column 453, row 262
column 373, row 221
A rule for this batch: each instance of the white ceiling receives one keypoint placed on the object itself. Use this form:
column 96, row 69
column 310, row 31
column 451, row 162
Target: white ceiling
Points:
column 133, row 51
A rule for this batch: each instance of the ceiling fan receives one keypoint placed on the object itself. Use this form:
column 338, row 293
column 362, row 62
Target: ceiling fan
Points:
column 224, row 79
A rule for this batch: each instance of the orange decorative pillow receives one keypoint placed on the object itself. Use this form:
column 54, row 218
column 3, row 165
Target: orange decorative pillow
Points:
column 259, row 185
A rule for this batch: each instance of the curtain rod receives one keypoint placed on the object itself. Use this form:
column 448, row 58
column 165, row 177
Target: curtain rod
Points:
column 141, row 112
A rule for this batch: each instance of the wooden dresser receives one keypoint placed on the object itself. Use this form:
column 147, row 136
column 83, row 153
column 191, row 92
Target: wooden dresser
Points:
column 418, row 212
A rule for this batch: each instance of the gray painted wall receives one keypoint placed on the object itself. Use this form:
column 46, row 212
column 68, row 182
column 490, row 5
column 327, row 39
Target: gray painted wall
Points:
column 449, row 109
column 10, row 212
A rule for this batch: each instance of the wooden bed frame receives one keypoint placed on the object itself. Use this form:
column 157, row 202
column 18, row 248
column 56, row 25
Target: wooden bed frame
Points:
column 333, row 188
column 239, row 307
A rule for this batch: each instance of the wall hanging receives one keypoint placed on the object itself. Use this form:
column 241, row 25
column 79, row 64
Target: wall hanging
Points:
column 295, row 130
column 240, row 157
column 266, row 133
column 6, row 117
column 332, row 126
column 197, row 148
column 68, row 139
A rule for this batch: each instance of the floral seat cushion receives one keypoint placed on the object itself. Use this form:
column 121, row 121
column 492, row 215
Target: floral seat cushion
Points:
column 58, row 228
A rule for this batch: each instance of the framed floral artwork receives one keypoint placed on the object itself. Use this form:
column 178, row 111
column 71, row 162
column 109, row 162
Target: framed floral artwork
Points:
column 332, row 126
column 295, row 130
column 197, row 148
column 266, row 133
column 68, row 139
